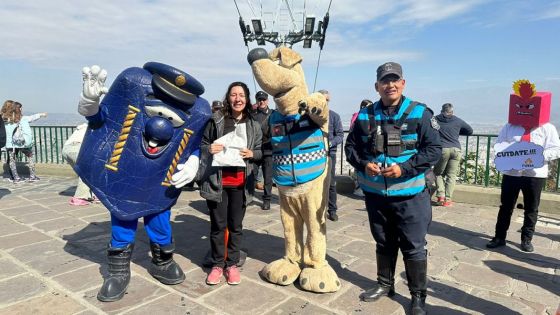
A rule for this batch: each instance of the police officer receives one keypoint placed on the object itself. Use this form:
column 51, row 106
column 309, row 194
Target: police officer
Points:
column 261, row 114
column 216, row 106
column 392, row 145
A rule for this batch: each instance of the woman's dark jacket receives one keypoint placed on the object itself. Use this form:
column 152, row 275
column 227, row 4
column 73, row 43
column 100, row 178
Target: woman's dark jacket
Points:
column 210, row 177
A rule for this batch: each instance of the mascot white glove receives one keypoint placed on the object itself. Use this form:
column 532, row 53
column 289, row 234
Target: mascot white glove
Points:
column 186, row 172
column 92, row 89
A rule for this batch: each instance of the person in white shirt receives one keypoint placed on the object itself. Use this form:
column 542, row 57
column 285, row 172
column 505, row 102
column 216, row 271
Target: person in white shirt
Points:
column 528, row 121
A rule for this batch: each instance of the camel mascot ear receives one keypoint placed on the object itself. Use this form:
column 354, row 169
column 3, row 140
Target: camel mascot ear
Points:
column 288, row 57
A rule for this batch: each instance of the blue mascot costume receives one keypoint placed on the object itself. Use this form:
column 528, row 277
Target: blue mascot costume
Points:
column 141, row 146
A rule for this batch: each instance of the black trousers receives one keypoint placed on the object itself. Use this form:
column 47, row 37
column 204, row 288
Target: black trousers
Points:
column 266, row 164
column 400, row 222
column 228, row 213
column 332, row 184
column 531, row 188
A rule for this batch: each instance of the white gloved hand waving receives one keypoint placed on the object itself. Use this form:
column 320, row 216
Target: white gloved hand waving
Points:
column 186, row 172
column 92, row 89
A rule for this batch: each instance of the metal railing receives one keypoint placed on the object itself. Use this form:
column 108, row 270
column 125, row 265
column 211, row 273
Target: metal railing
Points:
column 477, row 167
column 49, row 141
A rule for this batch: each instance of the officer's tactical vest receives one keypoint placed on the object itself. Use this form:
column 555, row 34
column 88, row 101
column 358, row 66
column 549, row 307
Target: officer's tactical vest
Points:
column 299, row 154
column 402, row 186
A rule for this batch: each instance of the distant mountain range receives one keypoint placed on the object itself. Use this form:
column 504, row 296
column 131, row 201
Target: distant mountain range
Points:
column 71, row 119
column 60, row 119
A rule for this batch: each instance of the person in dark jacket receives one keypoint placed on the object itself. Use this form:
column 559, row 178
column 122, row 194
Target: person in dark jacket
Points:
column 336, row 134
column 446, row 170
column 261, row 115
column 227, row 189
column 2, row 133
column 393, row 144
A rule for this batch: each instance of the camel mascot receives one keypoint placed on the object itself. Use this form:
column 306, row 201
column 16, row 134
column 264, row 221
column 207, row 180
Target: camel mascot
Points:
column 297, row 136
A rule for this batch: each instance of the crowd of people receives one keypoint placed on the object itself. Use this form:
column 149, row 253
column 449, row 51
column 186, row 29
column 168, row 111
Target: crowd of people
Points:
column 16, row 137
column 392, row 144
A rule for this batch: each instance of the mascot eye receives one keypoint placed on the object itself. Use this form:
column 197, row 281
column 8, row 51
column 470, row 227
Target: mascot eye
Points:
column 165, row 113
column 517, row 105
column 531, row 106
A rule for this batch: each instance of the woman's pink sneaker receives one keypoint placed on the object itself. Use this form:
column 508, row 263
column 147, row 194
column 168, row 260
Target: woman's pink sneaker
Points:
column 78, row 202
column 215, row 275
column 233, row 276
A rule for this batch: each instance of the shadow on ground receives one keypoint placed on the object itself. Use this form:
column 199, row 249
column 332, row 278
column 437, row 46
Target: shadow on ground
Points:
column 4, row 192
column 190, row 234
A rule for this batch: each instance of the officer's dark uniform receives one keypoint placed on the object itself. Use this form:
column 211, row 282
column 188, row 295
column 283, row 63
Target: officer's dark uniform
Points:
column 399, row 209
column 261, row 116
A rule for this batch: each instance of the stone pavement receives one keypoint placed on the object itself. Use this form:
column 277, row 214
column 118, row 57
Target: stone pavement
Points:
column 52, row 258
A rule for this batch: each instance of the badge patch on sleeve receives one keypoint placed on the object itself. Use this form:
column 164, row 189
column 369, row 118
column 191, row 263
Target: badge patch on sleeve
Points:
column 434, row 123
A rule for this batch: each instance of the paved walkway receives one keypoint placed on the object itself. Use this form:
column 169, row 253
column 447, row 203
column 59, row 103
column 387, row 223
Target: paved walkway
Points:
column 52, row 256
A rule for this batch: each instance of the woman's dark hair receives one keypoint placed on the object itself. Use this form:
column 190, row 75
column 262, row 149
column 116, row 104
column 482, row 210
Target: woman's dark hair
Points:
column 227, row 106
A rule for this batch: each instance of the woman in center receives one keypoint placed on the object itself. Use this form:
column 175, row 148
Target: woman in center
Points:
column 228, row 189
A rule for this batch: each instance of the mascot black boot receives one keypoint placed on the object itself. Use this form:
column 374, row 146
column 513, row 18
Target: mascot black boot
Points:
column 163, row 267
column 385, row 279
column 416, row 273
column 114, row 286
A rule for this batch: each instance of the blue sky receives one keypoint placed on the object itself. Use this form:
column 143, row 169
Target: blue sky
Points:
column 464, row 52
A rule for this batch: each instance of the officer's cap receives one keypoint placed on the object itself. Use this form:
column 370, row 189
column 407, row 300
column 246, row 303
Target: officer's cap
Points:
column 387, row 69
column 174, row 83
column 217, row 104
column 261, row 96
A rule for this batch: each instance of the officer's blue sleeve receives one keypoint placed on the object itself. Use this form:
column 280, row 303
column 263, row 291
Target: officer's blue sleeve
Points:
column 354, row 148
column 429, row 148
column 196, row 153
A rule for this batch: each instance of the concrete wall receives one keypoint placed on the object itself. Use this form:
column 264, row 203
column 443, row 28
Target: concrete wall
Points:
column 476, row 195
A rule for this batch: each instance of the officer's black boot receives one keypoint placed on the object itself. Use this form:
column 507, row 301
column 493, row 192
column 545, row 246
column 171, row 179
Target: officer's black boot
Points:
column 416, row 273
column 163, row 267
column 114, row 286
column 385, row 279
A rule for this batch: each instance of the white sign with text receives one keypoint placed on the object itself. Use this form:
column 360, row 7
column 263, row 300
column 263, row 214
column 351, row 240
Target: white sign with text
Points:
column 233, row 142
column 518, row 156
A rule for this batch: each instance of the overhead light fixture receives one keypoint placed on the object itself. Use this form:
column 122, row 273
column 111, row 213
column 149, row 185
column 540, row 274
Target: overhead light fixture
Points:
column 309, row 24
column 257, row 26
column 319, row 27
column 307, row 43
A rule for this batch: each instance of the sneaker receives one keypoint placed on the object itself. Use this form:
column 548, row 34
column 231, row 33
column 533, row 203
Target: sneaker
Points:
column 526, row 246
column 440, row 201
column 78, row 202
column 496, row 242
column 447, row 203
column 331, row 215
column 233, row 276
column 215, row 276
column 18, row 180
column 34, row 179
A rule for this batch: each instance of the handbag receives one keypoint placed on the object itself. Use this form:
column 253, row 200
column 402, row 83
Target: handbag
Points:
column 17, row 136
